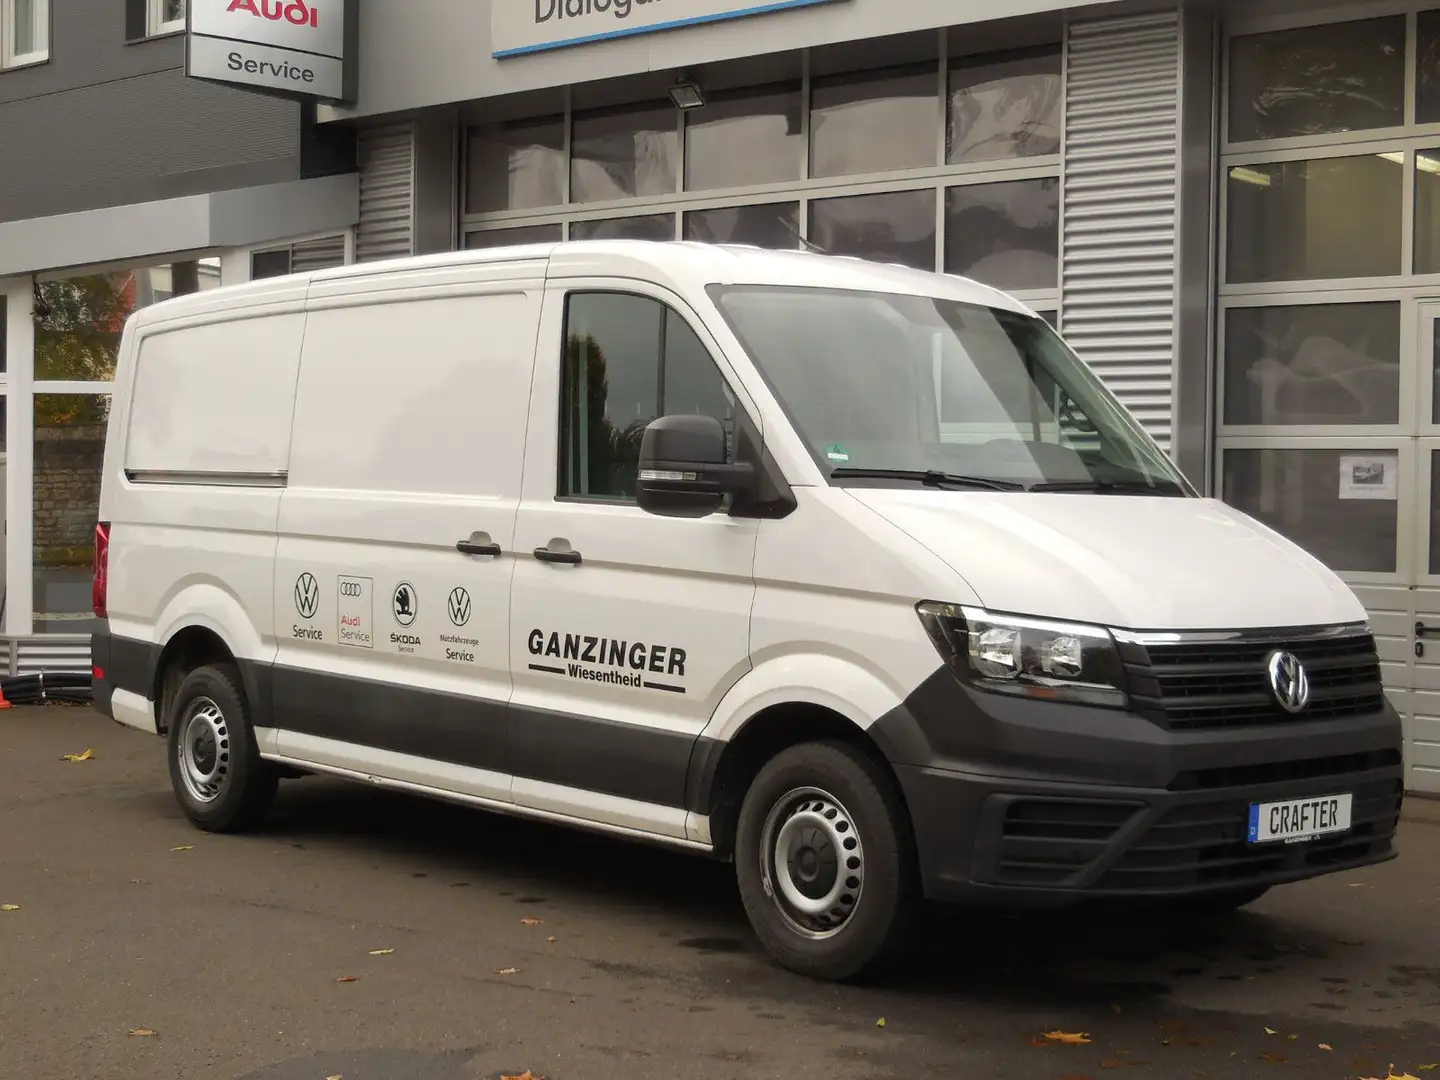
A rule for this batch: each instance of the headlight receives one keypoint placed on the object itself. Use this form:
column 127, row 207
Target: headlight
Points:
column 1031, row 657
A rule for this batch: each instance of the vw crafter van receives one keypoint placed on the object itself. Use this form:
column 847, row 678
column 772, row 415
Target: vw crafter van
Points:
column 847, row 573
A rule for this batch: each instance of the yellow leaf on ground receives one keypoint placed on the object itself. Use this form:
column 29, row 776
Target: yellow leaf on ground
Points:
column 530, row 921
column 381, row 952
column 551, row 939
column 337, row 1076
column 1271, row 1031
column 526, row 1075
column 141, row 1032
column 184, row 847
column 1326, row 1046
column 348, row 978
column 9, row 907
column 1072, row 1038
column 86, row 756
column 507, row 971
column 880, row 1022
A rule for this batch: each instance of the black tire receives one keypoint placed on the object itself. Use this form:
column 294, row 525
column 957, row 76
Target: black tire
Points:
column 241, row 787
column 869, row 932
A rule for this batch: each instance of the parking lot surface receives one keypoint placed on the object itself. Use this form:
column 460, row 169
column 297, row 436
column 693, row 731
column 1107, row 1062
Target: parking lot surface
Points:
column 372, row 936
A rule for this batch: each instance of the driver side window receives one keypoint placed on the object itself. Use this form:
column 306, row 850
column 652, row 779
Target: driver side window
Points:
column 627, row 360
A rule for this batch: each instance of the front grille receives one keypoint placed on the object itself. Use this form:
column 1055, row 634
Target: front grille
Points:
column 1205, row 844
column 1050, row 841
column 1193, row 686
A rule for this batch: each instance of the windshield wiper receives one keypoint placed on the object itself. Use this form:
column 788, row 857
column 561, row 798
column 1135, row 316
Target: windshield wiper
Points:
column 1112, row 487
column 928, row 477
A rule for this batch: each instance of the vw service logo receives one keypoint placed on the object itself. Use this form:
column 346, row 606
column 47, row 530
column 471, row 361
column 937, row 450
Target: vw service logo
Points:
column 307, row 595
column 458, row 606
column 1288, row 681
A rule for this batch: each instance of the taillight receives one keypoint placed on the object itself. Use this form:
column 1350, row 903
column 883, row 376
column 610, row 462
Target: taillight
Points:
column 100, row 572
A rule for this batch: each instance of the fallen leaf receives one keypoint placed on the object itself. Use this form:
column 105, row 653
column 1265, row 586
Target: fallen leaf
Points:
column 880, row 1022
column 1357, row 884
column 507, row 971
column 9, row 907
column 184, row 847
column 381, row 952
column 530, row 922
column 1278, row 1059
column 337, row 1076
column 348, row 978
column 551, row 939
column 526, row 1075
column 1293, row 1038
column 141, row 1032
column 86, row 756
column 1070, row 1038
column 1271, row 1031
column 1326, row 1046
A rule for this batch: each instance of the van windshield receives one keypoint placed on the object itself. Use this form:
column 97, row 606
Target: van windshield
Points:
column 895, row 390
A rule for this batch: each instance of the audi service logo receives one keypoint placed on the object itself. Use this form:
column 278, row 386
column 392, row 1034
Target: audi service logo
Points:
column 351, row 588
column 307, row 595
column 1288, row 681
column 458, row 606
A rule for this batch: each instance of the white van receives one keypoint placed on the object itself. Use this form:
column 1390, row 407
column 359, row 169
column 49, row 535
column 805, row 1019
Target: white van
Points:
column 851, row 574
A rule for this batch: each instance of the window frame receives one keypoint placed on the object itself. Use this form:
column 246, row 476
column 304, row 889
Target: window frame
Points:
column 744, row 413
column 156, row 24
column 11, row 60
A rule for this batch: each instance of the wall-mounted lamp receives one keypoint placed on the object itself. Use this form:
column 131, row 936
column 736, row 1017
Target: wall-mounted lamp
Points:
column 686, row 94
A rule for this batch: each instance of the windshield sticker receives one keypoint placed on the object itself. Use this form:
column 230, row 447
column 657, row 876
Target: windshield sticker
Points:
column 837, row 454
column 607, row 660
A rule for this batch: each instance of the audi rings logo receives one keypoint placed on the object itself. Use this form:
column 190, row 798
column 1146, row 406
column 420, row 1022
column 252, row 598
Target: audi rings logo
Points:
column 351, row 588
column 458, row 606
column 307, row 595
column 1288, row 681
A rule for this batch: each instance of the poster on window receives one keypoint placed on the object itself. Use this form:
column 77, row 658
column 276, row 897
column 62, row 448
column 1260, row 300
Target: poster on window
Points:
column 1369, row 476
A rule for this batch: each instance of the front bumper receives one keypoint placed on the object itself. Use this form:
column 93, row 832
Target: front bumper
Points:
column 1027, row 804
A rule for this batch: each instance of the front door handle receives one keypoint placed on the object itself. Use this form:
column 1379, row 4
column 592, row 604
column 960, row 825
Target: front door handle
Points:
column 554, row 554
column 478, row 543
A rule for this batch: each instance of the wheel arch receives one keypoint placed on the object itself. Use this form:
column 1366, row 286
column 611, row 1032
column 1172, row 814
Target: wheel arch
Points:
column 203, row 624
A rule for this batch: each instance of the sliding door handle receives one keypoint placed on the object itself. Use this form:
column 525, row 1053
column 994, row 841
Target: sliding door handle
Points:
column 565, row 555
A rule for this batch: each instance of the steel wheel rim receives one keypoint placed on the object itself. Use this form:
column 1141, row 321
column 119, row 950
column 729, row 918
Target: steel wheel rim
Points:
column 812, row 862
column 203, row 750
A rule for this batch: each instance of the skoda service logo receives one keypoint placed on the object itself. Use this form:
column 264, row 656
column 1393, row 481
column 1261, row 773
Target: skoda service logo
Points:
column 1288, row 681
column 458, row 606
column 404, row 605
column 307, row 595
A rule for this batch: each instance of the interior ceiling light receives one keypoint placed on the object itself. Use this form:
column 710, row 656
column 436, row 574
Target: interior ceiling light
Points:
column 687, row 95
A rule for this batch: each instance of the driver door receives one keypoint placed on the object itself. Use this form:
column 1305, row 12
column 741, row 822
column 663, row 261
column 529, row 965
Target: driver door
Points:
column 627, row 628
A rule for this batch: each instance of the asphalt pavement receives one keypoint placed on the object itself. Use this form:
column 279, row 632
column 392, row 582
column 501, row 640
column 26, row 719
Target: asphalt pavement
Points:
column 371, row 936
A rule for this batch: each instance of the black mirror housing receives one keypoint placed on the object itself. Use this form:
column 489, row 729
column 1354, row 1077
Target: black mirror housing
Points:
column 684, row 468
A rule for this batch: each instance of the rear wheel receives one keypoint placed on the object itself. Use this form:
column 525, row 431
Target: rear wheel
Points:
column 825, row 862
column 220, row 781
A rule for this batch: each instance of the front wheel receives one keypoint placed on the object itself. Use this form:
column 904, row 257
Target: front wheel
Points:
column 220, row 781
column 825, row 861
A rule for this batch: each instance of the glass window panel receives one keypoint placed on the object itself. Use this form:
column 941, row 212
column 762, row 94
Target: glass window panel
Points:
column 1005, row 235
column 24, row 30
column 173, row 10
column 1427, row 212
column 80, row 320
column 69, row 451
column 1313, row 364
column 1345, row 76
column 624, row 155
column 751, row 138
column 614, row 381
column 4, row 333
column 516, row 165
column 873, row 122
column 268, row 264
column 771, row 225
column 1435, row 512
column 895, row 227
column 1435, row 369
column 643, row 227
column 1004, row 108
column 1299, row 494
column 1427, row 104
column 520, row 234
column 1302, row 220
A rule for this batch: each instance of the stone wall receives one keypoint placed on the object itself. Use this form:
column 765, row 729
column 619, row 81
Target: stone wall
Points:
column 68, row 461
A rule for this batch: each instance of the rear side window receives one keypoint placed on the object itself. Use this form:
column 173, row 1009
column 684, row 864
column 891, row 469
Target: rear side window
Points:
column 215, row 399
column 628, row 359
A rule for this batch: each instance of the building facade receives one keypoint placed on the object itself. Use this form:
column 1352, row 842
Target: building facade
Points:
column 1231, row 208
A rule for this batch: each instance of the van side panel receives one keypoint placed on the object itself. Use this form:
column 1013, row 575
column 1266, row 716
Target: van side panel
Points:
column 409, row 438
column 197, row 455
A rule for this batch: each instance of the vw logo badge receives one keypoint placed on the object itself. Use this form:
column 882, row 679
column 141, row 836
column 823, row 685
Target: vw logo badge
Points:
column 459, row 606
column 1288, row 681
column 307, row 595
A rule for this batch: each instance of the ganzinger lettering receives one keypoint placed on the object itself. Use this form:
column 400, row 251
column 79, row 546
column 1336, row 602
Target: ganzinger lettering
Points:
column 639, row 657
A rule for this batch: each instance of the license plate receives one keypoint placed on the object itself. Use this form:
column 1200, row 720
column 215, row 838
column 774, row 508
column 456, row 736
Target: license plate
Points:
column 1299, row 819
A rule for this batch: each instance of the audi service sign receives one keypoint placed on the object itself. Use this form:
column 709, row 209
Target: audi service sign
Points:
column 303, row 49
column 518, row 27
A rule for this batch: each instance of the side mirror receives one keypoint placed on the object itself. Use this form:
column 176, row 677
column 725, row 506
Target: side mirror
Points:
column 683, row 468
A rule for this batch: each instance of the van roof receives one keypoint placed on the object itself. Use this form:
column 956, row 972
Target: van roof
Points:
column 683, row 265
